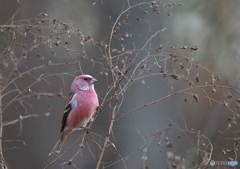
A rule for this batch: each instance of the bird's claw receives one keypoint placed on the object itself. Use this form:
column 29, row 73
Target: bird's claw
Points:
column 88, row 129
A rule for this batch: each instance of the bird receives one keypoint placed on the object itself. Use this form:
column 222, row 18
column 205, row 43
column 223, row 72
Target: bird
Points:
column 81, row 106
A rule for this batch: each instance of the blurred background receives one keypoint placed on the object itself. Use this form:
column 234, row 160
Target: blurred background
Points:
column 141, row 136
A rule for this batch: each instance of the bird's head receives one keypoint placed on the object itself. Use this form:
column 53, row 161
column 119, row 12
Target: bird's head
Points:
column 84, row 82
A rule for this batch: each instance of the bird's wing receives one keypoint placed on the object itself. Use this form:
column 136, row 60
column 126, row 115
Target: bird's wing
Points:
column 68, row 108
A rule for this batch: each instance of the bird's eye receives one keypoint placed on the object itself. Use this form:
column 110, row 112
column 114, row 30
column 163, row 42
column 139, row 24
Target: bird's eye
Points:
column 85, row 79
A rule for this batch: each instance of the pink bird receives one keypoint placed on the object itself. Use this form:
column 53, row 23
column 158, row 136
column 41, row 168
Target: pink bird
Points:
column 81, row 106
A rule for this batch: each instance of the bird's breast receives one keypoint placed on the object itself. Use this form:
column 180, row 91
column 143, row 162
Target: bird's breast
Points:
column 86, row 105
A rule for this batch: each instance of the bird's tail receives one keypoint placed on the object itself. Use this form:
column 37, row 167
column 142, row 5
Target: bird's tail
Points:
column 58, row 146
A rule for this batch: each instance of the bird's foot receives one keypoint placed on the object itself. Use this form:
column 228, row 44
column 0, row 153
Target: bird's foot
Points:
column 88, row 129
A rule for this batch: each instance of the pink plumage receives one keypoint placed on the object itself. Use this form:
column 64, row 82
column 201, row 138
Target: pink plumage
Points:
column 81, row 106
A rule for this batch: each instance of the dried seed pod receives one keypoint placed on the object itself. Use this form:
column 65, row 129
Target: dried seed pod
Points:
column 196, row 97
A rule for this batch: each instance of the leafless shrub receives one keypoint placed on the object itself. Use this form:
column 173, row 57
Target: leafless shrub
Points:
column 27, row 74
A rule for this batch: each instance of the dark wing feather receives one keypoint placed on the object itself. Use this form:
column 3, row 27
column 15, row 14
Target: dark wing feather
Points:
column 68, row 108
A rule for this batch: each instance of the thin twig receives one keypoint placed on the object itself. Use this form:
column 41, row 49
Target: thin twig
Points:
column 2, row 161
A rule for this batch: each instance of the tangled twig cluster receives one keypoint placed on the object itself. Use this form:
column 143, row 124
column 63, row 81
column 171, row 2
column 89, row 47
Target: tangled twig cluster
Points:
column 24, row 69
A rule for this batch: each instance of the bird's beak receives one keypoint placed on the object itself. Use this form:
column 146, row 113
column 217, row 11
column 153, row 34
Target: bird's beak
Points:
column 93, row 81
